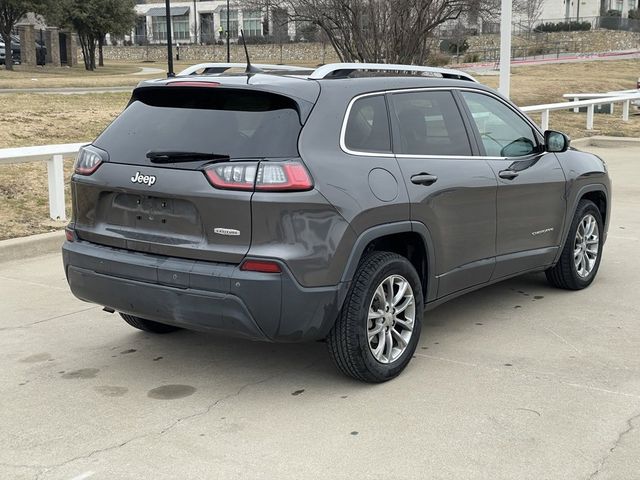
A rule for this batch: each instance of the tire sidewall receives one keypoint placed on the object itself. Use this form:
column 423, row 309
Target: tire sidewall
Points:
column 583, row 210
column 396, row 266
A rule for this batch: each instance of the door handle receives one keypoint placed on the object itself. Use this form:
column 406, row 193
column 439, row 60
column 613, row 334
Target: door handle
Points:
column 423, row 179
column 508, row 174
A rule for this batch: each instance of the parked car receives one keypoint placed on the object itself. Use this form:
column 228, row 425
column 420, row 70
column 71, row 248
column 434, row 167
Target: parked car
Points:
column 292, row 206
column 41, row 51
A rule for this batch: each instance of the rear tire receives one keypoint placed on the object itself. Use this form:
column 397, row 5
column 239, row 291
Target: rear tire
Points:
column 148, row 325
column 582, row 252
column 379, row 326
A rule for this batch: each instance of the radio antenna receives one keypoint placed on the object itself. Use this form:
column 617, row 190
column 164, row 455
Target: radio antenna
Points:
column 250, row 68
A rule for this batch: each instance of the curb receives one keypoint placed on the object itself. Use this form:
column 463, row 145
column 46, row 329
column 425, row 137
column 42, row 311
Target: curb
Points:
column 31, row 246
column 606, row 142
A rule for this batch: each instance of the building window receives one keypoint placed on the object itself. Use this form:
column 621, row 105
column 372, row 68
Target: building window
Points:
column 233, row 23
column 252, row 23
column 181, row 28
column 159, row 28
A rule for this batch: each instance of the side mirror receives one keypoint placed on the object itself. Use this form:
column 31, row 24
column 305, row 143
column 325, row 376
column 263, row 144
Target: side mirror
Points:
column 556, row 142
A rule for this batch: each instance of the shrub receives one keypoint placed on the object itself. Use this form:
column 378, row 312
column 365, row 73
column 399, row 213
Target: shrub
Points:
column 454, row 46
column 572, row 26
column 471, row 57
column 537, row 50
column 437, row 59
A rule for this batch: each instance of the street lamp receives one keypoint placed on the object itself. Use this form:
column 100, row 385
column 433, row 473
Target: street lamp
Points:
column 170, row 72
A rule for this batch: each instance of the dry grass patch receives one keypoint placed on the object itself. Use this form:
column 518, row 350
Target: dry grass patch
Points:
column 24, row 199
column 535, row 85
column 43, row 119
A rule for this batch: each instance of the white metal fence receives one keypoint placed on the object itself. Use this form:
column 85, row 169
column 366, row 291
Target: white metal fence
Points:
column 590, row 104
column 54, row 154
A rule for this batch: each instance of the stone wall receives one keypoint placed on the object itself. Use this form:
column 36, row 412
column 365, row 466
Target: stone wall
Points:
column 296, row 53
column 317, row 53
column 578, row 42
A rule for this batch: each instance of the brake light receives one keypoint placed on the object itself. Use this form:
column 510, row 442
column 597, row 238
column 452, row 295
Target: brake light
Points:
column 88, row 160
column 272, row 176
column 69, row 234
column 264, row 266
column 193, row 84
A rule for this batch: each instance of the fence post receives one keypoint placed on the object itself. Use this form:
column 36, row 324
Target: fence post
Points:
column 576, row 109
column 625, row 110
column 544, row 121
column 55, row 172
column 590, row 110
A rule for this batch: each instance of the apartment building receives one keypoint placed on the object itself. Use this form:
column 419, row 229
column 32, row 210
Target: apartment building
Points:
column 205, row 21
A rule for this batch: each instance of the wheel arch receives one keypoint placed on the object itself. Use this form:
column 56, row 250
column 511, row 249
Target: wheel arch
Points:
column 599, row 195
column 409, row 239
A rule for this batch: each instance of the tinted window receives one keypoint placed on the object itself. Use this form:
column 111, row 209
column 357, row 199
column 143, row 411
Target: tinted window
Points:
column 503, row 132
column 368, row 126
column 430, row 124
column 237, row 123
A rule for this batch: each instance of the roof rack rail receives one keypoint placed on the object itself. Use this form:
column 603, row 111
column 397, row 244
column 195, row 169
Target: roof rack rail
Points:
column 343, row 70
column 213, row 68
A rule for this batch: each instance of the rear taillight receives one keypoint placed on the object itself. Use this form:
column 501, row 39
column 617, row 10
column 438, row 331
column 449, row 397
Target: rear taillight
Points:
column 89, row 159
column 290, row 176
column 232, row 176
column 69, row 234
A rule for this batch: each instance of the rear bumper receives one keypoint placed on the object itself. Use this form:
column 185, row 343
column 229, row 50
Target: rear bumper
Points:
column 198, row 295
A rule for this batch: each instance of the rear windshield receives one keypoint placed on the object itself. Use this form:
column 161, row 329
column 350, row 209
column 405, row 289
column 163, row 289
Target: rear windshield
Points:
column 241, row 124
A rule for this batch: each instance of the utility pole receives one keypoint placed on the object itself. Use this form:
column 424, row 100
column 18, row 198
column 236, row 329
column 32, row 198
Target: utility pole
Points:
column 228, row 24
column 170, row 72
column 195, row 22
column 505, row 47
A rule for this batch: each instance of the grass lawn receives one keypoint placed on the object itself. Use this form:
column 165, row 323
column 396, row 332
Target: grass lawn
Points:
column 117, row 74
column 41, row 119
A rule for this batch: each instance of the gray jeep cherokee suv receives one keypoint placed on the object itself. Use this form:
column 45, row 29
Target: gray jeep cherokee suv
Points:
column 335, row 204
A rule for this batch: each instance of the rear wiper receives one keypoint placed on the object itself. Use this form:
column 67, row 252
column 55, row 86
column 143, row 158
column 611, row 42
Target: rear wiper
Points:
column 174, row 157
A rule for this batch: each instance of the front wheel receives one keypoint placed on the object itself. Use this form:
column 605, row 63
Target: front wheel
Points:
column 379, row 326
column 580, row 258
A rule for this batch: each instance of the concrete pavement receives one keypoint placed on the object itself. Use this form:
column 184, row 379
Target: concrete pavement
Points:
column 515, row 381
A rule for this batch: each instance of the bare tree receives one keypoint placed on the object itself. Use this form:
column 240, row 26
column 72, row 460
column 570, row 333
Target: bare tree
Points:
column 392, row 31
column 529, row 12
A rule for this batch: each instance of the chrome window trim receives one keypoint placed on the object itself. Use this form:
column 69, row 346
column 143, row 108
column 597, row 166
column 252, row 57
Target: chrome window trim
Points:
column 343, row 131
column 348, row 151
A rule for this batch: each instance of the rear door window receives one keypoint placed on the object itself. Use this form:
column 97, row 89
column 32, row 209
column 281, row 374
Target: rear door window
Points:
column 429, row 123
column 367, row 128
column 237, row 123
